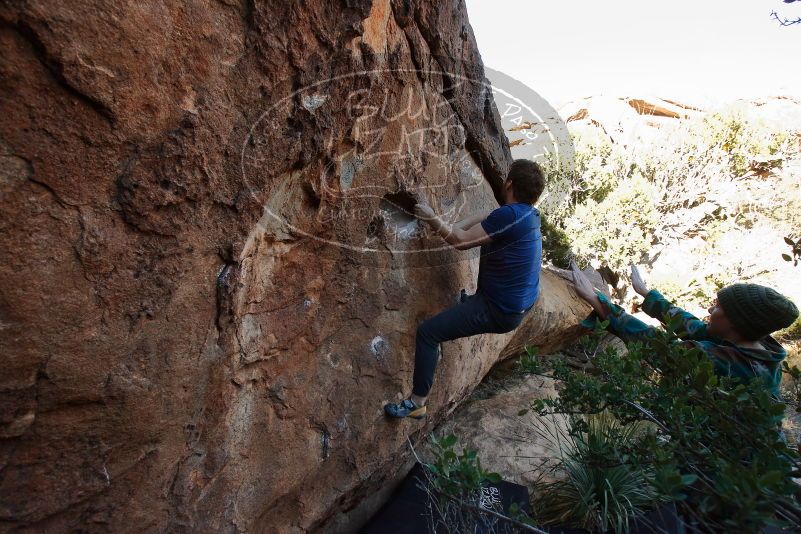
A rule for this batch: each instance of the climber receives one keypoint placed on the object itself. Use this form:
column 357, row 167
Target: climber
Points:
column 736, row 337
column 508, row 276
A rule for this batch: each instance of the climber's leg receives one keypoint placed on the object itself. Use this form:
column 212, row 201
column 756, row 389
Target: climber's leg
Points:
column 470, row 317
column 473, row 315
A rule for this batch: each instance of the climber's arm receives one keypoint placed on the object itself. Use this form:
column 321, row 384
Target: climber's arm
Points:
column 474, row 237
column 468, row 222
column 453, row 235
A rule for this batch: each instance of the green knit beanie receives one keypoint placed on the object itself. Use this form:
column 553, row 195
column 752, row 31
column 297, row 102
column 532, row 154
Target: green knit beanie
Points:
column 756, row 311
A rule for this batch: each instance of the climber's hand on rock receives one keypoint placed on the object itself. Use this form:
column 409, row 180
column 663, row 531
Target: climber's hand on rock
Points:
column 582, row 284
column 637, row 281
column 423, row 211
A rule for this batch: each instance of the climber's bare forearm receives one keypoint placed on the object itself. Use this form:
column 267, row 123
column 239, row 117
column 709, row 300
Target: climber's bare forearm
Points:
column 468, row 222
column 445, row 230
column 458, row 238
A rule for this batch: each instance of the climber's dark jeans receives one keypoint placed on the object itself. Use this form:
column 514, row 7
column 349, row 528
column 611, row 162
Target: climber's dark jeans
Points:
column 473, row 315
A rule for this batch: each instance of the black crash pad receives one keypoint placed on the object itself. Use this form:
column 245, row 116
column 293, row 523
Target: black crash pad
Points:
column 406, row 511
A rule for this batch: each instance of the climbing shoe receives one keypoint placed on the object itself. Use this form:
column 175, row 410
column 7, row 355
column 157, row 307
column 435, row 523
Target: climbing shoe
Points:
column 405, row 408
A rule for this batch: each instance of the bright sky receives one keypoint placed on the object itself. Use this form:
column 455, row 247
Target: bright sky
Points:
column 695, row 50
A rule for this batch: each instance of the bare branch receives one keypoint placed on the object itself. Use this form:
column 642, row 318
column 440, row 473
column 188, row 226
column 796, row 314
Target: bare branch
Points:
column 783, row 21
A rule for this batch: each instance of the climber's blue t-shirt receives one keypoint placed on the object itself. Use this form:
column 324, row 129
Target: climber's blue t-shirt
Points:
column 509, row 271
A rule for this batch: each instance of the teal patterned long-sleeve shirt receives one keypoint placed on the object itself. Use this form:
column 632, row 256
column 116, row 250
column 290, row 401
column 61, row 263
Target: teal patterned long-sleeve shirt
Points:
column 727, row 358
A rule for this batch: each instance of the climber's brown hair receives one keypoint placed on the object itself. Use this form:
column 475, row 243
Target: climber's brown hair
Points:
column 528, row 180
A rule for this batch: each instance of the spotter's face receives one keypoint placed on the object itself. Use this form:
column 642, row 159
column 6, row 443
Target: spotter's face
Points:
column 718, row 324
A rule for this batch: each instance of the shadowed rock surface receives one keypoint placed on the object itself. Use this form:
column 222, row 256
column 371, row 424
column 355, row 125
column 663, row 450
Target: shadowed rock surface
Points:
column 207, row 296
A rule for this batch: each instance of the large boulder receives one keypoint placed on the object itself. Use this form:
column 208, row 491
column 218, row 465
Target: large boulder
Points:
column 211, row 281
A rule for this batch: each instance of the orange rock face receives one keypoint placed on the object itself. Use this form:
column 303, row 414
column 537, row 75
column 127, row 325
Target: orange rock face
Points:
column 210, row 284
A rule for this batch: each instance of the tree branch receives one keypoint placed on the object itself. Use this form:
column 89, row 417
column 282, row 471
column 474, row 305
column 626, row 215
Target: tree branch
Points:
column 783, row 21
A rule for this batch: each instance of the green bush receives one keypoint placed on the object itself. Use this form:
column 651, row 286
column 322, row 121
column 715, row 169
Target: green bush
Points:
column 457, row 475
column 454, row 487
column 556, row 246
column 791, row 333
column 617, row 199
column 595, row 171
column 716, row 449
column 618, row 230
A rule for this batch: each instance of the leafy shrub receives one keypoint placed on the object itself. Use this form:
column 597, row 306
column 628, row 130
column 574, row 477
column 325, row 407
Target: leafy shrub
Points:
column 791, row 333
column 716, row 448
column 594, row 172
column 616, row 199
column 457, row 475
column 454, row 488
column 556, row 246
column 617, row 230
